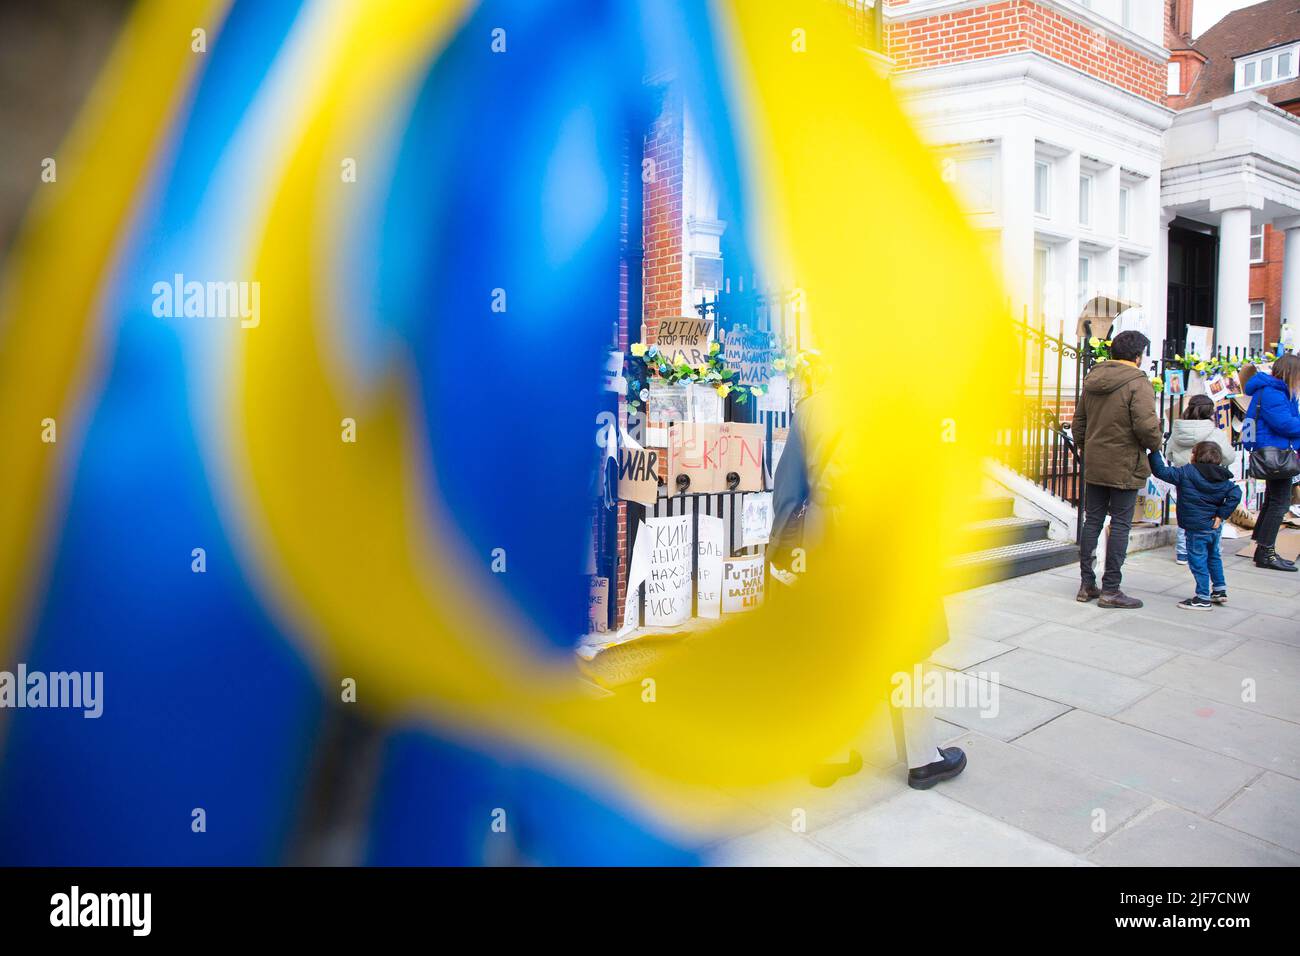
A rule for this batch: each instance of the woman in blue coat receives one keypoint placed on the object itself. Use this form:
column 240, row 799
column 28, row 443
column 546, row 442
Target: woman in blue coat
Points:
column 1276, row 415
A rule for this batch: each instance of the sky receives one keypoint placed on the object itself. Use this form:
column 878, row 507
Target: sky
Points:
column 1206, row 13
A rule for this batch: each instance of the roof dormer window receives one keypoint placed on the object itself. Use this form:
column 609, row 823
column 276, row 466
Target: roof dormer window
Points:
column 1264, row 69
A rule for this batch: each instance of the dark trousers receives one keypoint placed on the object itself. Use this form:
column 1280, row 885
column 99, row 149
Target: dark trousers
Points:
column 1098, row 502
column 1277, row 498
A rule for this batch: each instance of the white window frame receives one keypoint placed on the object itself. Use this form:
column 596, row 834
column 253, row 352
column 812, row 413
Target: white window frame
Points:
column 1046, row 168
column 1124, row 211
column 1174, row 81
column 1084, row 275
column 1256, row 347
column 1085, row 187
column 1248, row 72
column 1255, row 260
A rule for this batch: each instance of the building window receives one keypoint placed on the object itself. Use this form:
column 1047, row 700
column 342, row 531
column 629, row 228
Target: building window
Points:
column 1122, row 292
column 1085, row 267
column 1042, row 189
column 1123, row 210
column 1262, row 69
column 1257, row 243
column 1085, row 200
column 1175, row 83
column 1257, row 326
column 1042, row 263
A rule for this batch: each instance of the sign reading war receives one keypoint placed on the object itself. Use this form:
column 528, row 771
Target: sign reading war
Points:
column 708, row 458
column 638, row 474
column 685, row 340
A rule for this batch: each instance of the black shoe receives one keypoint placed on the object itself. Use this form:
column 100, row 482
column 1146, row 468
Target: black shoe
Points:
column 824, row 775
column 1269, row 560
column 952, row 763
column 1117, row 599
column 1196, row 604
column 1219, row 597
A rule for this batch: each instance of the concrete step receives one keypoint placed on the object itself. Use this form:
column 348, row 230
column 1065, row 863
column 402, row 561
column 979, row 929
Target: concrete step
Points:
column 998, row 532
column 1014, row 560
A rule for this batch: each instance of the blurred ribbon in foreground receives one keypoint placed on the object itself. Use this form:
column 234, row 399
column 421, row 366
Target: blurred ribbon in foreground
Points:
column 473, row 171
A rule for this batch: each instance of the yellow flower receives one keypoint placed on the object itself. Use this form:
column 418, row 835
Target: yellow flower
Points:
column 713, row 347
column 638, row 349
column 1094, row 341
column 723, row 389
column 1200, row 366
column 1108, row 341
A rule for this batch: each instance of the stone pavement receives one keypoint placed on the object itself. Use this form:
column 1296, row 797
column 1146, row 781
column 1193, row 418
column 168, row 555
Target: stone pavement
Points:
column 1122, row 738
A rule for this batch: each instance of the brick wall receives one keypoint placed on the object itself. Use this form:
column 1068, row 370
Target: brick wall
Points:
column 1012, row 26
column 661, row 269
column 1266, row 283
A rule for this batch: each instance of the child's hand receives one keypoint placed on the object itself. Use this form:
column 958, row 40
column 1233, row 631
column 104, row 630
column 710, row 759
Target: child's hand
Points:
column 1217, row 521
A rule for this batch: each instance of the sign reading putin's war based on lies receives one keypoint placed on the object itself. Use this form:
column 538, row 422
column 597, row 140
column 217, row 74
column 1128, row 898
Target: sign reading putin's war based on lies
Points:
column 685, row 340
column 742, row 583
column 706, row 454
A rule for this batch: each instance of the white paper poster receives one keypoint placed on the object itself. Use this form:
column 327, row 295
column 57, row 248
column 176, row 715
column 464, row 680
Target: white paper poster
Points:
column 756, row 519
column 668, row 583
column 706, row 404
column 708, row 571
column 777, row 396
column 637, row 568
column 742, row 583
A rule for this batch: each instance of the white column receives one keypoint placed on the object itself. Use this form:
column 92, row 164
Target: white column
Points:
column 1155, row 293
column 1290, row 274
column 1017, row 174
column 1232, row 328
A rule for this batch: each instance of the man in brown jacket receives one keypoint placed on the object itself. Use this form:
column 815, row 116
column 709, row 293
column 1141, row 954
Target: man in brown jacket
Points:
column 1115, row 424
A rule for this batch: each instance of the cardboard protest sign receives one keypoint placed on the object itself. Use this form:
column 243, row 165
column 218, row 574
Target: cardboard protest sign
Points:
column 685, row 340
column 742, row 583
column 708, row 568
column 668, row 583
column 638, row 473
column 749, row 352
column 706, row 454
column 756, row 519
column 669, row 403
column 598, row 605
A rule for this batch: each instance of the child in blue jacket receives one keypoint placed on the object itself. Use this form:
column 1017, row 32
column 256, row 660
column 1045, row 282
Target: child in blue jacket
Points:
column 1207, row 496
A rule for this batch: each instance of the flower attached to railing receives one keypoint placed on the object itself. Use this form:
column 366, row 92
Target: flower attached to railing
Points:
column 1100, row 348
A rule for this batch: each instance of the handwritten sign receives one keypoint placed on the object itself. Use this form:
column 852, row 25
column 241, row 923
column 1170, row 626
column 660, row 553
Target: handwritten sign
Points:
column 638, row 473
column 638, row 568
column 708, row 568
column 749, row 352
column 707, row 453
column 685, row 340
column 668, row 583
column 742, row 583
column 598, row 605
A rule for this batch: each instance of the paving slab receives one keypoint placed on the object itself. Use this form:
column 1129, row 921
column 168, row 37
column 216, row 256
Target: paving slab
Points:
column 1170, row 770
column 1262, row 602
column 1075, row 685
column 1096, row 649
column 925, row 828
column 817, row 807
column 1040, row 795
column 1251, row 737
column 1265, row 657
column 1164, row 607
column 1039, row 607
column 963, row 652
column 1269, row 809
column 1274, row 694
column 980, row 620
column 774, row 846
column 1174, row 837
column 1017, row 712
column 1242, row 573
column 1185, row 638
column 1280, row 630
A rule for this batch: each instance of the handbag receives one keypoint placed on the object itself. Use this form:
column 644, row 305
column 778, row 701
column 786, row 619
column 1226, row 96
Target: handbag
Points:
column 1272, row 464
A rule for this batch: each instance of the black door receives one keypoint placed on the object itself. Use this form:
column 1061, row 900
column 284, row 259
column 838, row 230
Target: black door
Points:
column 1193, row 263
